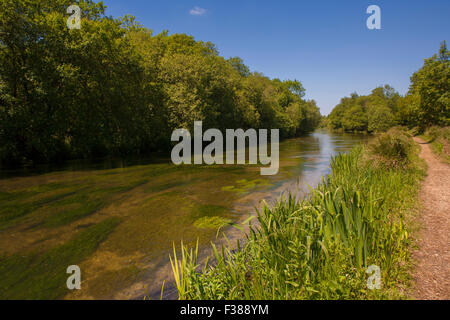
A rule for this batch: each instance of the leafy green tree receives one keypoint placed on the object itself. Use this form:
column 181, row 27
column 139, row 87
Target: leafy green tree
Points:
column 239, row 66
column 432, row 84
column 408, row 110
column 380, row 118
column 355, row 119
column 114, row 88
column 372, row 113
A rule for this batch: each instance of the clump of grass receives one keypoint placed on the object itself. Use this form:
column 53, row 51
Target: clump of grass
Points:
column 392, row 150
column 43, row 276
column 439, row 137
column 319, row 247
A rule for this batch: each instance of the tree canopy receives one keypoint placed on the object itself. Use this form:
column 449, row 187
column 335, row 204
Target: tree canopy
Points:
column 430, row 89
column 427, row 102
column 371, row 113
column 114, row 88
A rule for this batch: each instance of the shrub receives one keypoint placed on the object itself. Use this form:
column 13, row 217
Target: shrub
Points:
column 392, row 149
column 438, row 132
column 440, row 141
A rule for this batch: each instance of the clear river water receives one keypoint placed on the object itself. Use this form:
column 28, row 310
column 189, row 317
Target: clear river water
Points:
column 158, row 205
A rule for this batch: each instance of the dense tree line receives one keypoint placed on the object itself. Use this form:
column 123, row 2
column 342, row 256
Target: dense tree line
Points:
column 371, row 113
column 427, row 102
column 114, row 88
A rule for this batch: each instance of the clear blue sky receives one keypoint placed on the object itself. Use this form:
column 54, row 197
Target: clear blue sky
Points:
column 324, row 44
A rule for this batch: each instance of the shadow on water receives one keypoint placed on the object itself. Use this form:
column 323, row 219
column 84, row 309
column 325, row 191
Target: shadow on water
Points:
column 158, row 205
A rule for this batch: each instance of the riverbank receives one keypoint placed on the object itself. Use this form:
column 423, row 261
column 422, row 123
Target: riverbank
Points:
column 321, row 247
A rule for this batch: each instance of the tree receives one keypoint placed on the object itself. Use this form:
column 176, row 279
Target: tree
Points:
column 408, row 110
column 114, row 88
column 239, row 66
column 380, row 118
column 432, row 84
column 355, row 119
column 373, row 113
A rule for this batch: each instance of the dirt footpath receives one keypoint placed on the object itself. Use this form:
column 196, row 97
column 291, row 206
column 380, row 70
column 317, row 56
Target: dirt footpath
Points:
column 432, row 273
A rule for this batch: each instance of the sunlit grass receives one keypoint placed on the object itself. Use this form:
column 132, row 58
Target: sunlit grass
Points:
column 439, row 138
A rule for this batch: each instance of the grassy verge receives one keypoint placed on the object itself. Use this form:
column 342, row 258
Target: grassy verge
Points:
column 439, row 138
column 320, row 247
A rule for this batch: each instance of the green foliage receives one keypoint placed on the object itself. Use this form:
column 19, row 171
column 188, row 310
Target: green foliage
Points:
column 114, row 88
column 408, row 111
column 440, row 141
column 427, row 103
column 316, row 248
column 380, row 118
column 438, row 133
column 392, row 149
column 431, row 85
column 239, row 66
column 372, row 113
column 323, row 122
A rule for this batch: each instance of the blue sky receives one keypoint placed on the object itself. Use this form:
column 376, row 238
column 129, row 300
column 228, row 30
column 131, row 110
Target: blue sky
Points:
column 324, row 44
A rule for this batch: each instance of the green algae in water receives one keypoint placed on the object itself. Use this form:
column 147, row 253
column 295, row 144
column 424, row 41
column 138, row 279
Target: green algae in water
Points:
column 53, row 205
column 244, row 186
column 208, row 210
column 228, row 188
column 111, row 281
column 43, row 276
column 214, row 222
column 171, row 203
column 210, row 216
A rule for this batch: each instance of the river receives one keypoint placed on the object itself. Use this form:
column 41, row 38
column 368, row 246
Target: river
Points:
column 158, row 204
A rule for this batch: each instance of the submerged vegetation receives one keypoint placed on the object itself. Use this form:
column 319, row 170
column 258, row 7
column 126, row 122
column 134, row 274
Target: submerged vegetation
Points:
column 213, row 222
column 321, row 246
column 392, row 150
column 244, row 186
column 151, row 206
column 43, row 276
